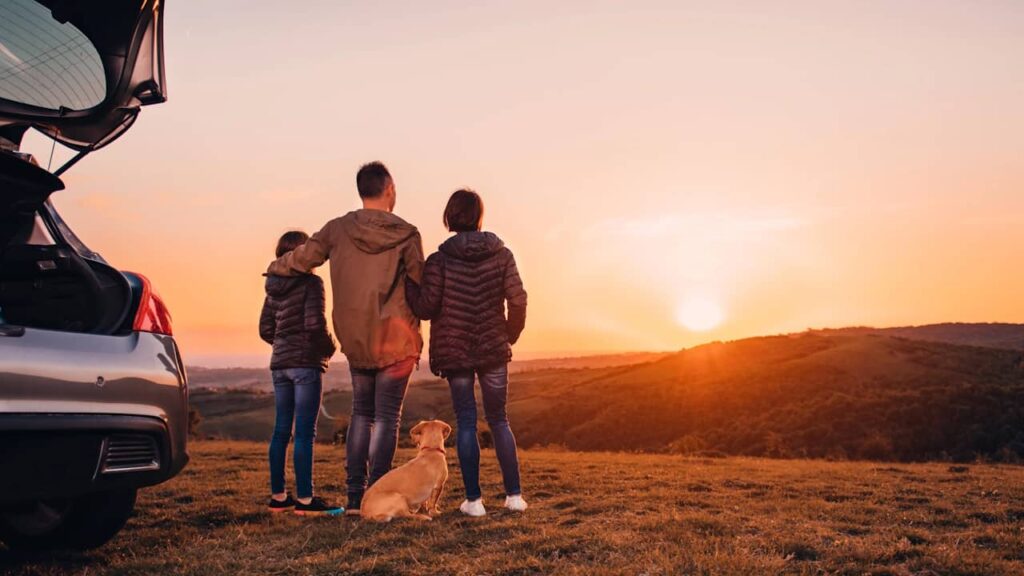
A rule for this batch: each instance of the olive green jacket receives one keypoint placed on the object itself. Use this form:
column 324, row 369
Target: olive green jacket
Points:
column 371, row 253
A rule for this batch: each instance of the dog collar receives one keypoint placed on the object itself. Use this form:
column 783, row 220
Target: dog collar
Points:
column 441, row 450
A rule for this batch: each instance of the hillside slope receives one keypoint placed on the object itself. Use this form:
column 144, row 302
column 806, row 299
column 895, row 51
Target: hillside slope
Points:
column 984, row 334
column 339, row 378
column 843, row 395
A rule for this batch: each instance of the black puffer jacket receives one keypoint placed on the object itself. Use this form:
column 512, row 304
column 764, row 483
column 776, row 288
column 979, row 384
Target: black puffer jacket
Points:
column 293, row 321
column 465, row 287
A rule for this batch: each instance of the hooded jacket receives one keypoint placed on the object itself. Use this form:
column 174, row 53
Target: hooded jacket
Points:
column 466, row 285
column 293, row 322
column 371, row 253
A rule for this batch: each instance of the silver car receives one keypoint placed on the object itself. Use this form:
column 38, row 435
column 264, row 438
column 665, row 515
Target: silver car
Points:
column 93, row 391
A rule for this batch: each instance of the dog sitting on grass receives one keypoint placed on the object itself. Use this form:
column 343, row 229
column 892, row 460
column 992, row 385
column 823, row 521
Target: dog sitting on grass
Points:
column 413, row 489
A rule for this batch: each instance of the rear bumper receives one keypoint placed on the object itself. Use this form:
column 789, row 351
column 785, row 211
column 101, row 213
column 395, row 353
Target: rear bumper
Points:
column 61, row 455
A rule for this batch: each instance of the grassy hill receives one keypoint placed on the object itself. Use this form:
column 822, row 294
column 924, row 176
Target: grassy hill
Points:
column 844, row 395
column 593, row 513
column 984, row 334
column 246, row 414
column 338, row 377
column 847, row 396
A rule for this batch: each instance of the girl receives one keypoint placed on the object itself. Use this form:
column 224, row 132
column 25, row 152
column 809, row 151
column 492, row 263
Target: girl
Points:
column 293, row 322
column 466, row 285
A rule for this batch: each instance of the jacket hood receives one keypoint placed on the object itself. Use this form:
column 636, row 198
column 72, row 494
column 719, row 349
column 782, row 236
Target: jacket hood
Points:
column 472, row 246
column 278, row 286
column 376, row 231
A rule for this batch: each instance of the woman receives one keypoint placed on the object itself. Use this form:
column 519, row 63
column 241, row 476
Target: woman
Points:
column 465, row 287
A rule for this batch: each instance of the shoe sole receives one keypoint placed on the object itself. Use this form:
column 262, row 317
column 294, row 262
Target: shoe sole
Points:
column 337, row 512
column 279, row 510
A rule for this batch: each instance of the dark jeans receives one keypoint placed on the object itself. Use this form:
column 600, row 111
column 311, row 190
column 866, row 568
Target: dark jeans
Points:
column 494, row 387
column 377, row 397
column 296, row 396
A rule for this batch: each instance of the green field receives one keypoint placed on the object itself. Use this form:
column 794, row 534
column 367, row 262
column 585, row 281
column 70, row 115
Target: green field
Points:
column 591, row 513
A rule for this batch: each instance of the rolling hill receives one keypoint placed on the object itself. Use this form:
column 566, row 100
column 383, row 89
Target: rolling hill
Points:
column 984, row 334
column 844, row 394
column 806, row 395
column 338, row 378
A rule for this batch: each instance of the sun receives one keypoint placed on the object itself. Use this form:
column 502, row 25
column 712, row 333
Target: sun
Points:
column 699, row 314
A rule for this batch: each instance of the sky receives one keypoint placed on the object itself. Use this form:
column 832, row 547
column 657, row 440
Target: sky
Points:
column 666, row 173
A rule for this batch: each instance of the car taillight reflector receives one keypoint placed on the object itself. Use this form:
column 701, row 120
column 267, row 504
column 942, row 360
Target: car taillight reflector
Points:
column 152, row 315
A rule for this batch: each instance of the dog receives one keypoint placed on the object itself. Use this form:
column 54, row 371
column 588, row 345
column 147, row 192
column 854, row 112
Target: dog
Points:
column 413, row 489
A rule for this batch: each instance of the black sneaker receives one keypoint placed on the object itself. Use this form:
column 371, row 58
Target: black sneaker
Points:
column 317, row 507
column 354, row 501
column 281, row 505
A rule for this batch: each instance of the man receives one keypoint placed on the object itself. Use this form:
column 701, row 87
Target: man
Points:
column 371, row 251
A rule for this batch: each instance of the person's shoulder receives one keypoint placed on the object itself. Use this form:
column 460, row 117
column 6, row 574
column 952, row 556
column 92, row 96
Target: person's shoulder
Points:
column 398, row 221
column 338, row 221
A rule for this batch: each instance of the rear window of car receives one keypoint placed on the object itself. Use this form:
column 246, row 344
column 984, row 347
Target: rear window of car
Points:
column 45, row 63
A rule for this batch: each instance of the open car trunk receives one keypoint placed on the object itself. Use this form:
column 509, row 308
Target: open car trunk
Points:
column 47, row 279
column 45, row 283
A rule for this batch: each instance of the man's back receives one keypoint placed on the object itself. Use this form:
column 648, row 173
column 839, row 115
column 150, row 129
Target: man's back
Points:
column 370, row 252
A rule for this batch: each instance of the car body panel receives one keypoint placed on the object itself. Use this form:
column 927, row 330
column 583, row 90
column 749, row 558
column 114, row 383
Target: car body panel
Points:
column 49, row 378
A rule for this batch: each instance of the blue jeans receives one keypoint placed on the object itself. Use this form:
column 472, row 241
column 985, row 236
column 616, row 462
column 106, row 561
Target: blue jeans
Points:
column 494, row 387
column 377, row 397
column 296, row 396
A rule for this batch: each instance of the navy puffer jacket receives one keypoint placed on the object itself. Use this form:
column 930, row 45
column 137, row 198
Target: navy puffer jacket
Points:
column 466, row 286
column 293, row 321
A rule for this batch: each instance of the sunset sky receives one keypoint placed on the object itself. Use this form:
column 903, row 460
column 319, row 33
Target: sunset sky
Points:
column 793, row 164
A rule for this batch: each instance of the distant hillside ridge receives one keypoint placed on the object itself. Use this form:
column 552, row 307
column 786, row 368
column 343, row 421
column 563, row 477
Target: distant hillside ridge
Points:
column 985, row 334
column 338, row 376
column 842, row 395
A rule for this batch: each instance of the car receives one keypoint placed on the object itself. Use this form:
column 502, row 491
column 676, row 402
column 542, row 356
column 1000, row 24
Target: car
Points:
column 93, row 390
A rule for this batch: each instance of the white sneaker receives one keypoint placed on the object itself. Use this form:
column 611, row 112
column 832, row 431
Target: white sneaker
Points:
column 515, row 503
column 474, row 508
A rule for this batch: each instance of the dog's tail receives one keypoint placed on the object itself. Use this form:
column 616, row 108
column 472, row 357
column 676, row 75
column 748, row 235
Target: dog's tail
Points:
column 323, row 410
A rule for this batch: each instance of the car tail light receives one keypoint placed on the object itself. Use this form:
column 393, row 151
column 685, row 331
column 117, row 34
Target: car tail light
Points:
column 152, row 315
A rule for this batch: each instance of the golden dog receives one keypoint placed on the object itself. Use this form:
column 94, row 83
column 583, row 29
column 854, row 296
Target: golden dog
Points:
column 416, row 485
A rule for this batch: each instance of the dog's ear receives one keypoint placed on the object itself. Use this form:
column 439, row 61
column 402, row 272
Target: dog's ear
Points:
column 417, row 431
column 446, row 429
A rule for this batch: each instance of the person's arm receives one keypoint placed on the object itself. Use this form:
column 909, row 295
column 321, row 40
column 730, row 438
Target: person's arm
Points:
column 515, row 294
column 268, row 322
column 412, row 256
column 315, row 318
column 305, row 258
column 425, row 298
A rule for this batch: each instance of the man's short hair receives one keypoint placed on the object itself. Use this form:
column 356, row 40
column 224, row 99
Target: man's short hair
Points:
column 372, row 179
column 464, row 212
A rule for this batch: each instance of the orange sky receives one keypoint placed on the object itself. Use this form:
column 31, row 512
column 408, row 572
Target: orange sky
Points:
column 798, row 164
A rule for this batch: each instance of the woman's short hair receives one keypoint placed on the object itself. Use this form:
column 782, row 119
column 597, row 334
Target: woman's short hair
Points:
column 290, row 241
column 464, row 212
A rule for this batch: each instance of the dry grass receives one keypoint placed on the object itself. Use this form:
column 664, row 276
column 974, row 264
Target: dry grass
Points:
column 590, row 513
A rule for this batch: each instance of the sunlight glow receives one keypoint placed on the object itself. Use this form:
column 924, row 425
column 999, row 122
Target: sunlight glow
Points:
column 699, row 314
